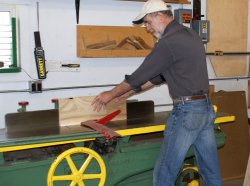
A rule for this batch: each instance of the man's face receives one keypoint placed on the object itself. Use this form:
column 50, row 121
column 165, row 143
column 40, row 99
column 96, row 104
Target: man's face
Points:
column 153, row 24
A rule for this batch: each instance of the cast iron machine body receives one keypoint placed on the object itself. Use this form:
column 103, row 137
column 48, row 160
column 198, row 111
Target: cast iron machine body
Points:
column 42, row 152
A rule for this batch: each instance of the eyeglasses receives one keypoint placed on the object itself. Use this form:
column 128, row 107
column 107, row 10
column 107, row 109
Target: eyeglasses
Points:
column 148, row 19
column 147, row 22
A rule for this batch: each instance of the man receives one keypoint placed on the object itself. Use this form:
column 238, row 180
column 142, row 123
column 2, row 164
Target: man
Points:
column 178, row 59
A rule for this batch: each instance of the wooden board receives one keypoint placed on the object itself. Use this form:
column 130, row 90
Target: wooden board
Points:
column 93, row 35
column 247, row 176
column 233, row 157
column 73, row 111
column 228, row 33
column 211, row 90
column 248, row 92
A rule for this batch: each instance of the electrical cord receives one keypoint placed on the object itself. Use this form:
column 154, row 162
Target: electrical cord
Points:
column 29, row 75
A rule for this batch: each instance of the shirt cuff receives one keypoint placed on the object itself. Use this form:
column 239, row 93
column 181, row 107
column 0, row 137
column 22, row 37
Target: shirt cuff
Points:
column 136, row 88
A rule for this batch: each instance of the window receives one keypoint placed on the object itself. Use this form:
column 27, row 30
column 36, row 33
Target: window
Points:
column 8, row 46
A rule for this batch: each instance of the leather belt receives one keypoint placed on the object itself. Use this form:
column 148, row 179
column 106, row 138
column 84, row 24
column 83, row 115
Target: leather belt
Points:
column 190, row 98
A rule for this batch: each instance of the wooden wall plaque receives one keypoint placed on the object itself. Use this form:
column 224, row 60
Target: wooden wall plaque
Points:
column 233, row 157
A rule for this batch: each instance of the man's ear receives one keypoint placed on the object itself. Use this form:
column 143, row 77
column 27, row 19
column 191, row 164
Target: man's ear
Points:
column 161, row 17
column 164, row 19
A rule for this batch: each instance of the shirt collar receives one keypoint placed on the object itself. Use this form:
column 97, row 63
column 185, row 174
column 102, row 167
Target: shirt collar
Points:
column 169, row 27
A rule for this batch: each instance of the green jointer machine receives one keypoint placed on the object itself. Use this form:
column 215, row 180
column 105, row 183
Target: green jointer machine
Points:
column 36, row 150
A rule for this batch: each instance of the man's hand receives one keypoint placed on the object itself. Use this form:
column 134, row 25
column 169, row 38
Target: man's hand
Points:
column 101, row 100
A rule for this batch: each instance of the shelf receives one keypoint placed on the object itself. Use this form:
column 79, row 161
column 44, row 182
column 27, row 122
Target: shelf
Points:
column 113, row 41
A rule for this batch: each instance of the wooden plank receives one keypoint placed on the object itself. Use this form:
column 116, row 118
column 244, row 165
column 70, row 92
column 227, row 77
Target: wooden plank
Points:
column 86, row 36
column 102, row 45
column 228, row 33
column 73, row 111
column 248, row 94
column 211, row 90
column 234, row 155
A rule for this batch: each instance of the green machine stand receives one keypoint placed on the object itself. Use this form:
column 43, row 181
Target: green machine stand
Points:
column 40, row 152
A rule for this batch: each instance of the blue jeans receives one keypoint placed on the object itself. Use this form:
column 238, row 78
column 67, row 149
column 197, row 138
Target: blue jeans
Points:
column 189, row 123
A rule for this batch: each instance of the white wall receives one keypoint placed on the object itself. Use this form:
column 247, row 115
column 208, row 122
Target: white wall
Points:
column 58, row 36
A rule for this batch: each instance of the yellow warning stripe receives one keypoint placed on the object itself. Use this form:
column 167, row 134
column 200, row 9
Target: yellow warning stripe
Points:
column 31, row 146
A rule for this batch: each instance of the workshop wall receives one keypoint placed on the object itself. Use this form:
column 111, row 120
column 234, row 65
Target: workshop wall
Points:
column 57, row 22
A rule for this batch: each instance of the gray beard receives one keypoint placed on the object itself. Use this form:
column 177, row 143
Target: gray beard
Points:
column 158, row 35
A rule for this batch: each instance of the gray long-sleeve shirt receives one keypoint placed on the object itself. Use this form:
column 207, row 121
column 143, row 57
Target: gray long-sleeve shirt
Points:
column 178, row 59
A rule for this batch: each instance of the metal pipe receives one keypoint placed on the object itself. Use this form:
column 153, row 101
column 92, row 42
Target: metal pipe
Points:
column 13, row 91
column 77, row 87
column 164, row 105
column 230, row 78
column 110, row 85
column 221, row 53
column 60, row 88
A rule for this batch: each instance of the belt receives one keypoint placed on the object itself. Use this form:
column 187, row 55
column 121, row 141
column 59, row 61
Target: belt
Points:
column 190, row 98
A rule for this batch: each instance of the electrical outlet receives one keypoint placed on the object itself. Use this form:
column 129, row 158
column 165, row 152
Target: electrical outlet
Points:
column 35, row 86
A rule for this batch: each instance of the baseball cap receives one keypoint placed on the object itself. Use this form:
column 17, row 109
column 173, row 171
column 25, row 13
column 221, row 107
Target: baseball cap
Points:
column 149, row 7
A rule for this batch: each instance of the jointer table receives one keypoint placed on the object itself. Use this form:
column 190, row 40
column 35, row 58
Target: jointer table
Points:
column 40, row 152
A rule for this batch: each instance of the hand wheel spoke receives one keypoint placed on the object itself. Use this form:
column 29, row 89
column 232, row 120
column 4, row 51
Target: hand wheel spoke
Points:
column 73, row 183
column 71, row 164
column 85, row 164
column 91, row 176
column 63, row 177
column 81, row 183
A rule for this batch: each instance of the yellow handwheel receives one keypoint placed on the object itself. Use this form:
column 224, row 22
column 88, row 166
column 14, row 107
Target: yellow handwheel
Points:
column 215, row 108
column 77, row 176
column 189, row 176
column 194, row 183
